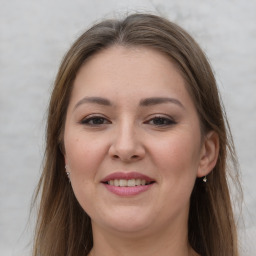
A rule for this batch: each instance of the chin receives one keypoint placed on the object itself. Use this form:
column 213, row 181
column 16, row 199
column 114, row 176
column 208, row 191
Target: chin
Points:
column 127, row 221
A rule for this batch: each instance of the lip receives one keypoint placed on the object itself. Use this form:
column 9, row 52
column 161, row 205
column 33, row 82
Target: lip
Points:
column 127, row 191
column 127, row 176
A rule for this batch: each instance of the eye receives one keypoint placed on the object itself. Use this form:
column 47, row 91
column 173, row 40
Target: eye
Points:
column 95, row 121
column 161, row 121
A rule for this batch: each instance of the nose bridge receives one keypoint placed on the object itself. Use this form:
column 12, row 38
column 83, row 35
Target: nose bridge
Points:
column 126, row 135
column 126, row 144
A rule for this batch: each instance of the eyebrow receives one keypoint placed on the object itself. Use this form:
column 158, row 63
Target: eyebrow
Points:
column 160, row 100
column 94, row 100
column 144, row 102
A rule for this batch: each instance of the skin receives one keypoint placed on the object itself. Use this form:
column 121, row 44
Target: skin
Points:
column 161, row 140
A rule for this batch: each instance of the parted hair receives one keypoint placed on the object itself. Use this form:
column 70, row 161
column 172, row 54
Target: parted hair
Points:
column 63, row 228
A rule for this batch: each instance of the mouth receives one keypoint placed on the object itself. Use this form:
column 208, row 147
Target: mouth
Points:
column 127, row 179
column 127, row 184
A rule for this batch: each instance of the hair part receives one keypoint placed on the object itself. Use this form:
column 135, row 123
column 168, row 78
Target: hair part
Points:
column 63, row 228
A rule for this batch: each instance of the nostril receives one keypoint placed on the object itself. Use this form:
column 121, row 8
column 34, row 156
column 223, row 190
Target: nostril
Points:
column 133, row 157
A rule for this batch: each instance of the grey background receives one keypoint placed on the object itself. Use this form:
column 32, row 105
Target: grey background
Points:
column 34, row 35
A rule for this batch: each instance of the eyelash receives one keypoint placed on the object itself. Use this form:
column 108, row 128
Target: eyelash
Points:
column 166, row 121
column 100, row 120
column 87, row 120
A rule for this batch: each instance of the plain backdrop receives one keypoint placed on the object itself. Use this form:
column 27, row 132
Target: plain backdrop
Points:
column 35, row 34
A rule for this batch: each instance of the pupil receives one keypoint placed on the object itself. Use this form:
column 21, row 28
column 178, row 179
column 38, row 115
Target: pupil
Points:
column 159, row 121
column 98, row 121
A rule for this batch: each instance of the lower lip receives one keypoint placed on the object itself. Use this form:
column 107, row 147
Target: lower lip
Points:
column 128, row 191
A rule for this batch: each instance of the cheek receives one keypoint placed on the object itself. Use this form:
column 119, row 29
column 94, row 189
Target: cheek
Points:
column 83, row 154
column 177, row 160
column 178, row 151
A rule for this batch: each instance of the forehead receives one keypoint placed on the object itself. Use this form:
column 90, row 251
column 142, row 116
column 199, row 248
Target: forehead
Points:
column 127, row 73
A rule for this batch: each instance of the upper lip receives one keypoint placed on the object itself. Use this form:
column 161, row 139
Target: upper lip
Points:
column 127, row 176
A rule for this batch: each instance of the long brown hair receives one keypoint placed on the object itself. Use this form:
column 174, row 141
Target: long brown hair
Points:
column 63, row 228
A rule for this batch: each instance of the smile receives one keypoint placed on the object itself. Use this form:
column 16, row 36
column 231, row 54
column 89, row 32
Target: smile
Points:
column 128, row 183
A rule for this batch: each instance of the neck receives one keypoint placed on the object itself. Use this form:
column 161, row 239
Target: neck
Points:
column 166, row 242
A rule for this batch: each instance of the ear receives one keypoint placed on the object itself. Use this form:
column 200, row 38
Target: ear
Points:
column 209, row 154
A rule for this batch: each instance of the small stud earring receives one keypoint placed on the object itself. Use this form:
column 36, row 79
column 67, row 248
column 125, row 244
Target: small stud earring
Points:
column 205, row 179
column 68, row 173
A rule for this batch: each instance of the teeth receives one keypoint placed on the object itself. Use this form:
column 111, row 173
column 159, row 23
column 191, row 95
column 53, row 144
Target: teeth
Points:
column 122, row 183
column 127, row 183
column 137, row 182
column 131, row 183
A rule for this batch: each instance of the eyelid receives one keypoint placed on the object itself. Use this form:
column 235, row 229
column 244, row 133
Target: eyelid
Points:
column 94, row 116
column 86, row 120
column 162, row 116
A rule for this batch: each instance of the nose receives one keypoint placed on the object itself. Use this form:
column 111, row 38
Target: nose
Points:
column 126, row 144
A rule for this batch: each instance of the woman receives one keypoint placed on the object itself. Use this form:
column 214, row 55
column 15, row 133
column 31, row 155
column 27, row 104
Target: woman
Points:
column 136, row 150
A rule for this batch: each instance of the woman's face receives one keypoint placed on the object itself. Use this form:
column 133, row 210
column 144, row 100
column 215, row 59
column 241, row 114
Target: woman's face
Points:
column 132, row 141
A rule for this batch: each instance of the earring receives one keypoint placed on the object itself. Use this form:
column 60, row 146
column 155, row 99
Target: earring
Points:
column 205, row 179
column 68, row 173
